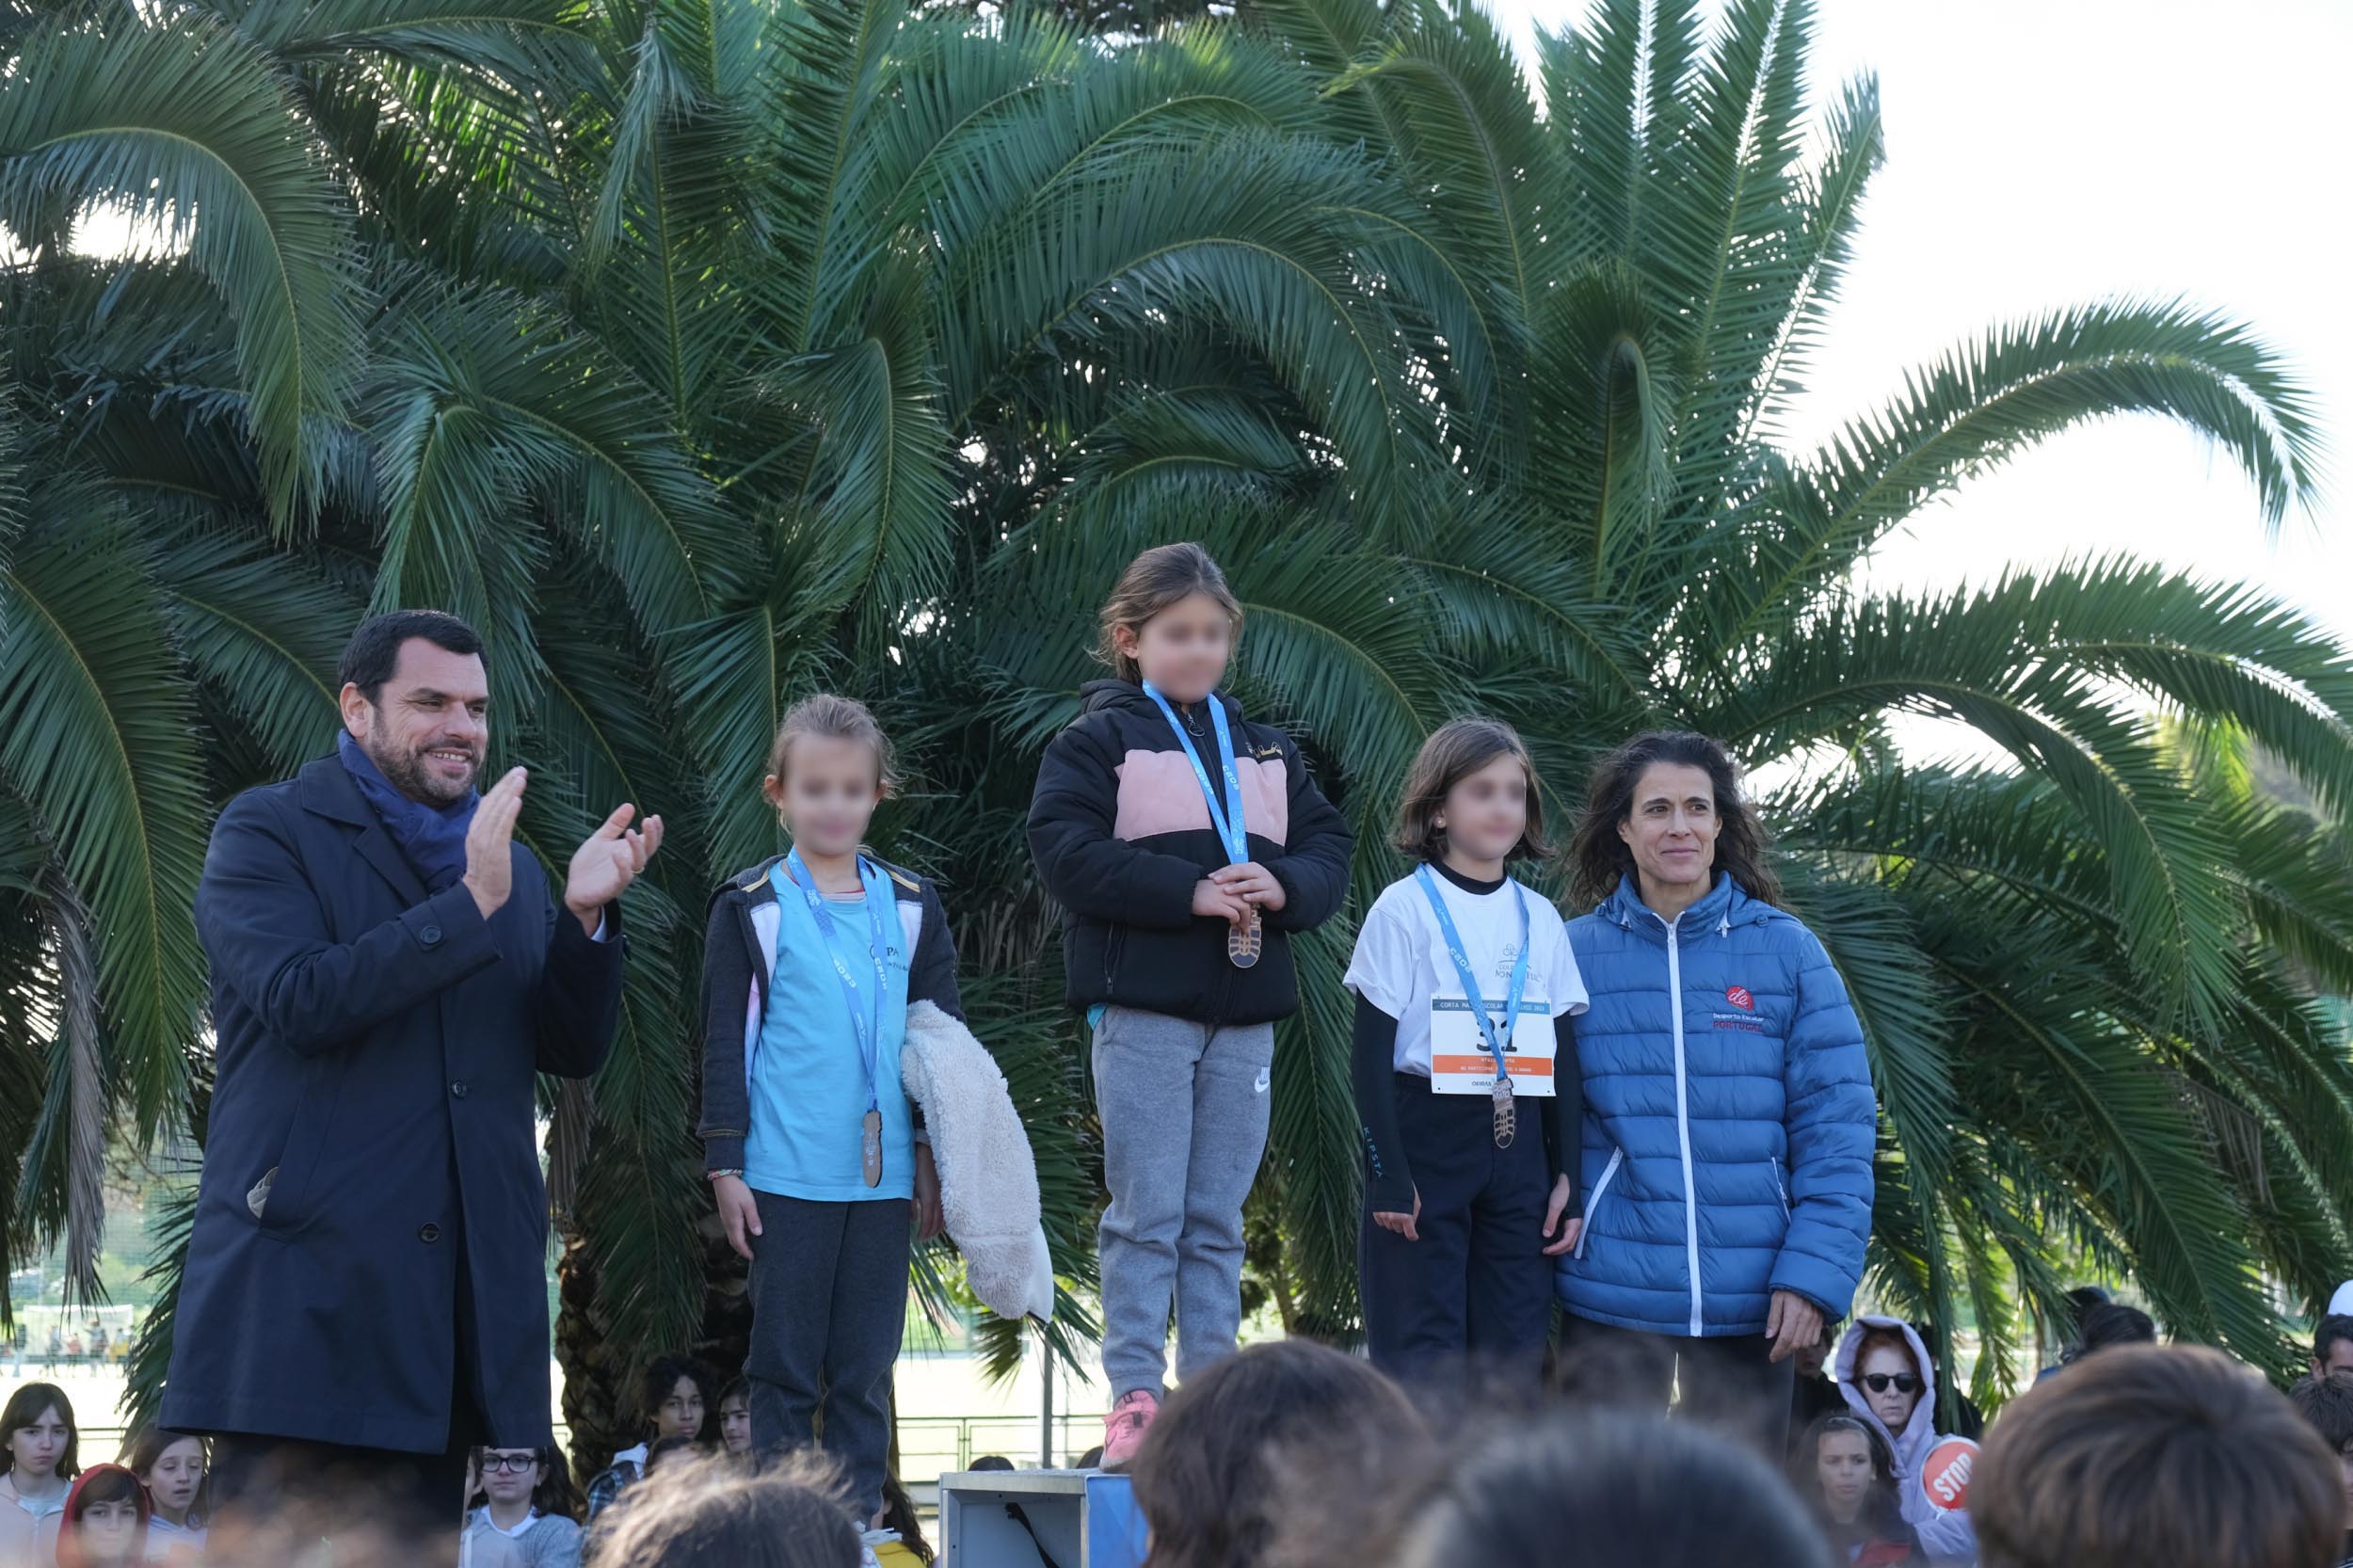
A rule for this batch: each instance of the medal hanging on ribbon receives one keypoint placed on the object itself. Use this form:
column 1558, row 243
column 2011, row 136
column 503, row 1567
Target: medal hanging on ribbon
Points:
column 1244, row 943
column 865, row 1020
column 1506, row 1107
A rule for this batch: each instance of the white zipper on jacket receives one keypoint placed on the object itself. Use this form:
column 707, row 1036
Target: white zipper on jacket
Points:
column 1683, row 1120
column 1593, row 1201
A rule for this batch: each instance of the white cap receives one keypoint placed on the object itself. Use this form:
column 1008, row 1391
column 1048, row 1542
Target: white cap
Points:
column 2341, row 1302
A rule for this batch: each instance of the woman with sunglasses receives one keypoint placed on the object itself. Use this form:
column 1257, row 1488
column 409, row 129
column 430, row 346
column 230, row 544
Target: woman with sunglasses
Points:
column 1890, row 1383
column 526, row 1496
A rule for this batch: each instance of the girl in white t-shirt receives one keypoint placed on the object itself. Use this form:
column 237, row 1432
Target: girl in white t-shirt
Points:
column 1469, row 1192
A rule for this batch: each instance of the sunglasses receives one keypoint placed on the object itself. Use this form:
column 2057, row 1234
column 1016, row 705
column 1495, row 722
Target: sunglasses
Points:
column 1905, row 1383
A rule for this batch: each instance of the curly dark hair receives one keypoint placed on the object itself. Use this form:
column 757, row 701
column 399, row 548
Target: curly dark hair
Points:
column 661, row 1374
column 1602, row 858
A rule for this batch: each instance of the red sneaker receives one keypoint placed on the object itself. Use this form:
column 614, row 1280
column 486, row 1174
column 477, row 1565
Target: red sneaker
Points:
column 1124, row 1428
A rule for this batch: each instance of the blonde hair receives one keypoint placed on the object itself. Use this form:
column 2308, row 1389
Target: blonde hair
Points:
column 1154, row 581
column 834, row 717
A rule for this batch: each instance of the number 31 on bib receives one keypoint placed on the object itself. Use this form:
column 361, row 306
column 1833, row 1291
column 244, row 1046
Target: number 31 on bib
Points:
column 1459, row 1060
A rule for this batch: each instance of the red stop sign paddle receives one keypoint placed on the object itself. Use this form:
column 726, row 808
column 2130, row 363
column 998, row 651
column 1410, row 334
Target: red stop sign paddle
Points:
column 1945, row 1475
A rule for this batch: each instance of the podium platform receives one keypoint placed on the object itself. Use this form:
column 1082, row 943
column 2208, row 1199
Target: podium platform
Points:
column 1038, row 1519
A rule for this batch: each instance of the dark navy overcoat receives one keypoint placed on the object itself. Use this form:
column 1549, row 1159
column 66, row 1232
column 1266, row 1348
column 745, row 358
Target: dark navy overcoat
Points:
column 375, row 1048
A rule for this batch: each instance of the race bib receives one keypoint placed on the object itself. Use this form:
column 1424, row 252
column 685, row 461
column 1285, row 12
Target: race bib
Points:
column 1459, row 1063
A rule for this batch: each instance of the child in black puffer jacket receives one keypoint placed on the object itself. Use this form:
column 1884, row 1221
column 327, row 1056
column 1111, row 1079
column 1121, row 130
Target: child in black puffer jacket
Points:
column 1185, row 845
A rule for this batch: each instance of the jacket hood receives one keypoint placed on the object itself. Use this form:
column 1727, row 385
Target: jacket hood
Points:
column 1724, row 907
column 1127, row 696
column 1912, row 1444
column 70, row 1553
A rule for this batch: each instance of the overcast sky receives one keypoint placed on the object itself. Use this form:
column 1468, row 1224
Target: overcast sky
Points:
column 2045, row 152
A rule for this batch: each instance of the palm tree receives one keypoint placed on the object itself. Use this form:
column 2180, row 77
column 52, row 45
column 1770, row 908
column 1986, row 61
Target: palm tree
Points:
column 698, row 355
column 704, row 354
column 2086, row 975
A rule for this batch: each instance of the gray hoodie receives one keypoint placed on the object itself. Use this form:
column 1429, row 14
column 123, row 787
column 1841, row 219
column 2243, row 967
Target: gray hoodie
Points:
column 1946, row 1534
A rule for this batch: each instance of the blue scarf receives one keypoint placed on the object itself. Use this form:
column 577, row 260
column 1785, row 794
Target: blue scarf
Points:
column 432, row 837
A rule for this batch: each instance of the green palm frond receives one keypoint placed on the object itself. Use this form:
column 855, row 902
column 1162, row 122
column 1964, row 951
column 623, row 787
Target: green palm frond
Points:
column 2092, row 1110
column 96, row 735
column 1829, row 200
column 1604, row 388
column 1906, row 1015
column 877, row 483
column 438, row 163
column 1313, row 1146
column 1722, row 243
column 478, row 35
column 970, row 146
column 1474, row 146
column 836, row 48
column 1985, row 402
column 150, row 1361
column 263, row 632
column 185, row 124
column 1978, row 658
column 1232, row 237
column 487, row 400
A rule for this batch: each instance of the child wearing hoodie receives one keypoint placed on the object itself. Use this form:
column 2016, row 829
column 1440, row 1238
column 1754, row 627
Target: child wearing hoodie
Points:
column 105, row 1520
column 1890, row 1383
column 38, row 1443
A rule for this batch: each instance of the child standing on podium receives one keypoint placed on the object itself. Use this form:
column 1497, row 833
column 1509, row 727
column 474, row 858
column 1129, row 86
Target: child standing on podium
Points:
column 1464, row 1067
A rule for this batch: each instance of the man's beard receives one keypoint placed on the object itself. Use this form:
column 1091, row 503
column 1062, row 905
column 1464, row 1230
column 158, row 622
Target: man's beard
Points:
column 408, row 771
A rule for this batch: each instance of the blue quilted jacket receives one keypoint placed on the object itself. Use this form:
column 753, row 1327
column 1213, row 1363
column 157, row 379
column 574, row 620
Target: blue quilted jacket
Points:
column 1720, row 1058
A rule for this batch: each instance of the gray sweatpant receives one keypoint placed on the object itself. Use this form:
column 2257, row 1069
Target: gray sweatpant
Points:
column 1184, row 1112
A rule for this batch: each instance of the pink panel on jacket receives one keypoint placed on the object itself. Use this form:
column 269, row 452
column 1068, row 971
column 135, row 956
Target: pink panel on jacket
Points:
column 1158, row 794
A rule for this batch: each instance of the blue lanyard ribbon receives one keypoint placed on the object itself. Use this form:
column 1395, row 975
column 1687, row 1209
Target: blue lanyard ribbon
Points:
column 1496, row 1044
column 865, row 1020
column 1227, row 817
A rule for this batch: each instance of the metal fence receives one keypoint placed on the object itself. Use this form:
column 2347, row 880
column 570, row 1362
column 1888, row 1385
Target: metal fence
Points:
column 929, row 1446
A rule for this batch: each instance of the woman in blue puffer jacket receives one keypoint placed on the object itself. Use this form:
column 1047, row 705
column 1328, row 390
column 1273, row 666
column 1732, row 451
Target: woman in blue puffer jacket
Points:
column 1729, row 1118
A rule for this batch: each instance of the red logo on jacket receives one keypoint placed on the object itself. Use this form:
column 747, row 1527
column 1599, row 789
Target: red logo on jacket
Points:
column 1738, row 996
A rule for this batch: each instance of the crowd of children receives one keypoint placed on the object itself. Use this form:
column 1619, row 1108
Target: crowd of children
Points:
column 148, row 1507
column 1293, row 1455
column 1522, row 1090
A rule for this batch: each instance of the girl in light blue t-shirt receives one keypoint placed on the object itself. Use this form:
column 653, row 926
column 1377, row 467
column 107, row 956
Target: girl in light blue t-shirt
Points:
column 817, row 1159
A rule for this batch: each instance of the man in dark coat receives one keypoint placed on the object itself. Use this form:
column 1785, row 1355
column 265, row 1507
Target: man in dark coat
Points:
column 365, row 1297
